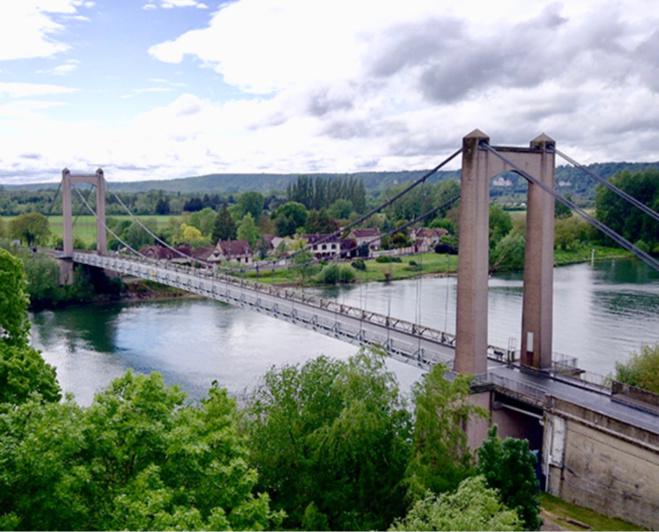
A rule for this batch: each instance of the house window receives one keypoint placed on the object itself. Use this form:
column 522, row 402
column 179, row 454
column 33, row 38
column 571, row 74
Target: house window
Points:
column 324, row 246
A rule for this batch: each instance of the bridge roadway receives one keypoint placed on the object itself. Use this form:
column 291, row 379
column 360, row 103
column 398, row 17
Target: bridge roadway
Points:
column 402, row 340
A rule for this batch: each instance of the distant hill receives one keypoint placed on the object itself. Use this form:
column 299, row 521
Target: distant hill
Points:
column 569, row 179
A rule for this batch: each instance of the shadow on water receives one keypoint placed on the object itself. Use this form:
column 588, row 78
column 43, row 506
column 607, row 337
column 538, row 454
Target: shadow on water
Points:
column 90, row 326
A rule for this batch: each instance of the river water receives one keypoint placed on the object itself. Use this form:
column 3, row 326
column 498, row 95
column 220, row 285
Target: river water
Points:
column 602, row 313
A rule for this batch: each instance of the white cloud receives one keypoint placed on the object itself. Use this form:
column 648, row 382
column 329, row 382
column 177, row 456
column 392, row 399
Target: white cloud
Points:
column 344, row 86
column 171, row 4
column 27, row 28
column 23, row 90
column 65, row 68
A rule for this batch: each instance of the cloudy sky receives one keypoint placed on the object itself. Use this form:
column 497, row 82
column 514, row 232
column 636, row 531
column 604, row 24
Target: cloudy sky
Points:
column 152, row 89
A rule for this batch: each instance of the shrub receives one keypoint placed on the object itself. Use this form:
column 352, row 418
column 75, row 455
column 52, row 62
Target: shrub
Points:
column 334, row 274
column 359, row 264
column 385, row 259
column 641, row 370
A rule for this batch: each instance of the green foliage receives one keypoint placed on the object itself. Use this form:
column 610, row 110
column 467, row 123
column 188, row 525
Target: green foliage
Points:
column 137, row 458
column 303, row 265
column 320, row 222
column 500, row 225
column 359, row 264
column 624, row 218
column 641, row 370
column 330, row 440
column 250, row 203
column 385, row 259
column 289, row 217
column 3, row 228
column 441, row 458
column 508, row 254
column 23, row 371
column 247, row 230
column 473, row 506
column 336, row 274
column 561, row 210
column 570, row 233
column 224, row 228
column 341, row 209
column 321, row 192
column 204, row 220
column 509, row 467
column 30, row 228
column 14, row 324
column 136, row 237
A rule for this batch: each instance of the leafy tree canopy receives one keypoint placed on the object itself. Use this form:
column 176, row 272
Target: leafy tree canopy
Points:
column 137, row 458
column 642, row 369
column 31, row 228
column 441, row 458
column 509, row 467
column 330, row 440
column 224, row 228
column 473, row 506
column 247, row 230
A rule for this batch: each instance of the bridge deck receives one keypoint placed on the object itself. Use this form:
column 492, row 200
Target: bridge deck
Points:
column 403, row 340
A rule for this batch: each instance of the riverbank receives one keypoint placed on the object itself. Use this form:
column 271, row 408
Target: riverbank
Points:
column 427, row 264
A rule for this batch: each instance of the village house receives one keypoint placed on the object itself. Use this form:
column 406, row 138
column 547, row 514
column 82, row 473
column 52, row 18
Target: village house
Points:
column 324, row 246
column 368, row 235
column 425, row 239
column 232, row 250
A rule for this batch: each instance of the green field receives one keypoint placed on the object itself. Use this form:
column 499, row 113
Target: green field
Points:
column 85, row 226
column 572, row 517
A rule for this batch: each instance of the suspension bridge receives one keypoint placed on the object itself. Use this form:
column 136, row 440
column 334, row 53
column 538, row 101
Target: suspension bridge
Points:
column 529, row 393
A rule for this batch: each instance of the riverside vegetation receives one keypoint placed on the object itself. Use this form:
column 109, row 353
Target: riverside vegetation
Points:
column 325, row 445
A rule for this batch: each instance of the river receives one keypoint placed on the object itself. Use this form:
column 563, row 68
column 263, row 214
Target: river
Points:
column 602, row 313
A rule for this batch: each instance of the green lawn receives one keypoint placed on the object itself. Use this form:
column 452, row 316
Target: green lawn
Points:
column 568, row 516
column 85, row 226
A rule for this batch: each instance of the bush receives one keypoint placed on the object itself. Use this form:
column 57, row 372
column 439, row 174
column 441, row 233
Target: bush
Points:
column 385, row 259
column 334, row 274
column 359, row 264
column 641, row 370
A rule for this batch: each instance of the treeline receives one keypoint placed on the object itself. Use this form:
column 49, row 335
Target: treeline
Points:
column 329, row 445
column 322, row 192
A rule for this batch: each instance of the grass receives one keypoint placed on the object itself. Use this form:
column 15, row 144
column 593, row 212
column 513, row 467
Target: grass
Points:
column 565, row 514
column 584, row 254
column 85, row 225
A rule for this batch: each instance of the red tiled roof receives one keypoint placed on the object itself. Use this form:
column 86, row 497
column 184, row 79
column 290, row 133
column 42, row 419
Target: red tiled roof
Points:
column 234, row 248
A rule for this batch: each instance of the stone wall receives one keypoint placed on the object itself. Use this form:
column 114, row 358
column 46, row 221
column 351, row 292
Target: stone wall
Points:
column 602, row 464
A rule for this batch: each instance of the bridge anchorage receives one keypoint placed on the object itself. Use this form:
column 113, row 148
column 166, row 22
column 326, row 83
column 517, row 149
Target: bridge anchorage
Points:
column 578, row 427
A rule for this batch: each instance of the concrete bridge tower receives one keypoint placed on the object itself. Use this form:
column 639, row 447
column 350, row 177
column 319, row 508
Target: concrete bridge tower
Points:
column 68, row 181
column 479, row 165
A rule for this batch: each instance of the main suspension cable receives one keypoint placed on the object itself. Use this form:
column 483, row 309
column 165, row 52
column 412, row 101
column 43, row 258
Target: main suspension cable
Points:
column 153, row 235
column 631, row 199
column 386, row 203
column 622, row 241
column 107, row 228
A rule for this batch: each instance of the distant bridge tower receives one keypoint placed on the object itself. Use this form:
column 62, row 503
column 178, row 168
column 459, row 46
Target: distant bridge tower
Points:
column 68, row 181
column 478, row 167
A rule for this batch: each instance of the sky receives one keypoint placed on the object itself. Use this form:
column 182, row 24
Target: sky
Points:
column 158, row 89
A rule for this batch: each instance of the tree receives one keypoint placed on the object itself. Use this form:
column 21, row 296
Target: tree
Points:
column 330, row 440
column 562, row 211
column 189, row 234
column 440, row 458
column 570, row 232
column 224, row 227
column 193, row 205
column 623, row 217
column 508, row 466
column 137, row 458
column 22, row 369
column 320, row 222
column 31, row 228
column 136, row 237
column 162, row 206
column 290, row 216
column 500, row 225
column 248, row 231
column 3, row 228
column 14, row 323
column 641, row 370
column 508, row 254
column 341, row 209
column 204, row 220
column 303, row 265
column 473, row 506
column 250, row 203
